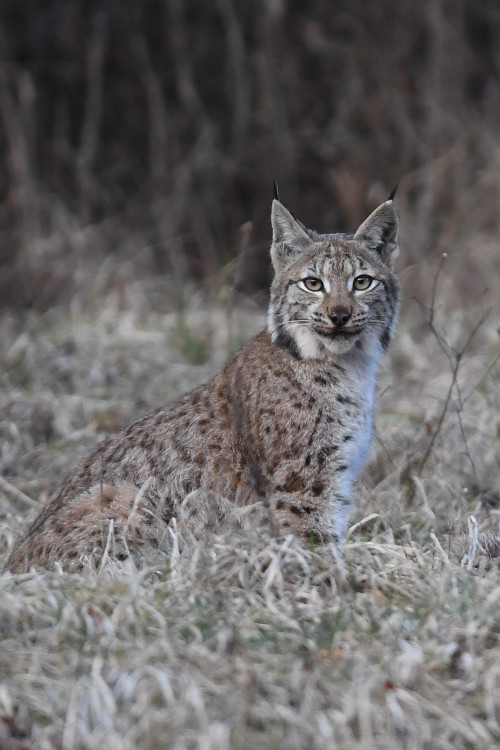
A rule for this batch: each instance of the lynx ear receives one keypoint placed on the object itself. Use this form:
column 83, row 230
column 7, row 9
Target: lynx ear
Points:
column 290, row 239
column 380, row 232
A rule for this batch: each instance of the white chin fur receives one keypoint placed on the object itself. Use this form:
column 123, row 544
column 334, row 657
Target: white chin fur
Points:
column 311, row 346
column 307, row 344
column 339, row 346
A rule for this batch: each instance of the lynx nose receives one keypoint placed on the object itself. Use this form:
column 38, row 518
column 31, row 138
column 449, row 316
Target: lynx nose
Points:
column 340, row 315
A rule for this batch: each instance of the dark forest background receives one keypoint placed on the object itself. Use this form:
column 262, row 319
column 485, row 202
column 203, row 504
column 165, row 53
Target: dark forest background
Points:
column 152, row 133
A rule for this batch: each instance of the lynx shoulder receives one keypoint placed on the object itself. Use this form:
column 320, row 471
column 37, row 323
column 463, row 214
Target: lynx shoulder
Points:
column 286, row 424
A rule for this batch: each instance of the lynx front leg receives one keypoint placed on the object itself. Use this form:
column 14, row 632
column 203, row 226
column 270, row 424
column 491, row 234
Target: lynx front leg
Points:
column 319, row 514
column 341, row 509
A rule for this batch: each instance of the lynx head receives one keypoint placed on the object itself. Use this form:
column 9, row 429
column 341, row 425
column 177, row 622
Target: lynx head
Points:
column 333, row 293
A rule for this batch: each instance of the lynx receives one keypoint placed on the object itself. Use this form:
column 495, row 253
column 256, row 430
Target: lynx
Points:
column 286, row 424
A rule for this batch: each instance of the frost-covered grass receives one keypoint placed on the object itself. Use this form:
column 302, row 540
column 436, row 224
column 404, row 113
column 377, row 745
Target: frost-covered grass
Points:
column 239, row 641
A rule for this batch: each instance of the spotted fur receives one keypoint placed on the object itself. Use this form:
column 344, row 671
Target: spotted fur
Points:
column 286, row 424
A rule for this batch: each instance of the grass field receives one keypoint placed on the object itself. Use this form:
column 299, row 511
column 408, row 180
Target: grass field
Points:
column 238, row 641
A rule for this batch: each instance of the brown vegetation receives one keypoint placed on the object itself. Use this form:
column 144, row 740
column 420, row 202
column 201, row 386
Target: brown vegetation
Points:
column 154, row 131
column 140, row 140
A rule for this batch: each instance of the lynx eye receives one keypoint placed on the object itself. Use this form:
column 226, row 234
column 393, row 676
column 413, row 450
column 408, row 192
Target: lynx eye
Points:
column 312, row 285
column 362, row 283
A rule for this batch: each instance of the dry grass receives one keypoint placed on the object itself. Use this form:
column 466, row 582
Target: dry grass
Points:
column 239, row 642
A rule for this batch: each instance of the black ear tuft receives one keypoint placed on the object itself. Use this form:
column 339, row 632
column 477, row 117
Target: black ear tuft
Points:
column 393, row 193
column 276, row 191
